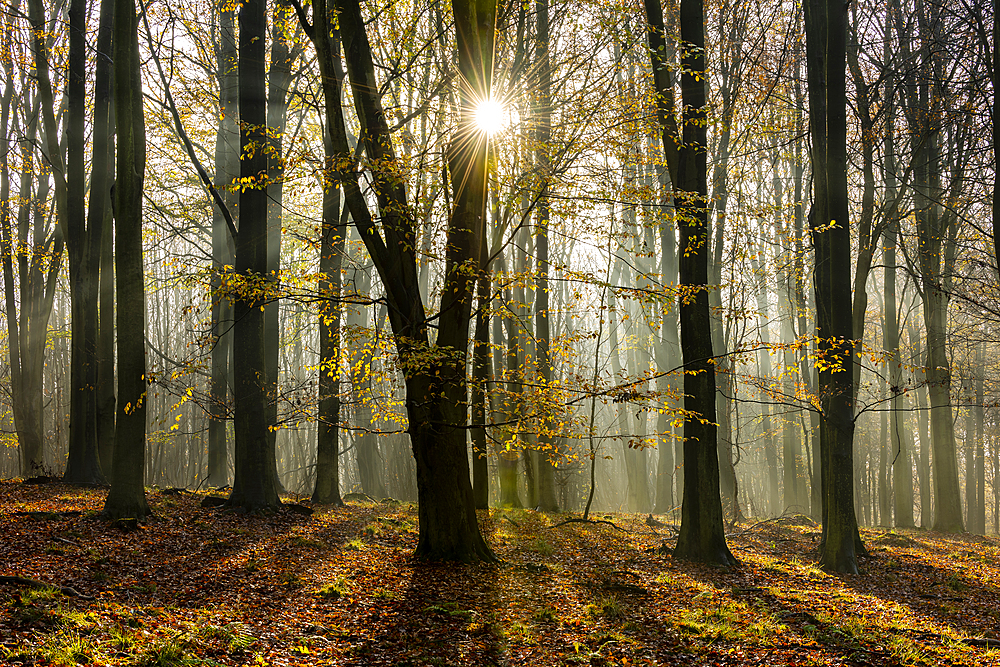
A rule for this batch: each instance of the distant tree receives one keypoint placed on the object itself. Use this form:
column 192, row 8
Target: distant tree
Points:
column 30, row 268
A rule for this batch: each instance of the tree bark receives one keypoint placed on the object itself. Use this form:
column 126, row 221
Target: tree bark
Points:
column 435, row 375
column 223, row 249
column 543, row 132
column 702, row 536
column 83, row 465
column 127, row 496
column 327, row 43
column 255, row 483
column 826, row 42
column 278, row 81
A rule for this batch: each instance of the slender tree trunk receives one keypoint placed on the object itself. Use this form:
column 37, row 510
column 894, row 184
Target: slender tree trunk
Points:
column 977, row 512
column 923, row 465
column 543, row 112
column 481, row 383
column 327, row 43
column 99, row 225
column 278, row 81
column 223, row 249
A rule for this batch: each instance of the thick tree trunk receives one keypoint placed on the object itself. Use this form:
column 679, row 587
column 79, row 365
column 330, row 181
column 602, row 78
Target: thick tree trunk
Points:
column 255, row 483
column 99, row 226
column 83, row 465
column 826, row 41
column 436, row 383
column 127, row 497
column 702, row 535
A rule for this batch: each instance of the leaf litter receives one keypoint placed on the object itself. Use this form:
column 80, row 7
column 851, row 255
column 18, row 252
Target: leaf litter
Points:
column 201, row 586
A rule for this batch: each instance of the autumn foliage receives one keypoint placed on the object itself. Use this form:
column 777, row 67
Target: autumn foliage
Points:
column 207, row 586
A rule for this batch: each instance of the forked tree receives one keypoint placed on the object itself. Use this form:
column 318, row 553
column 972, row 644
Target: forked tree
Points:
column 702, row 534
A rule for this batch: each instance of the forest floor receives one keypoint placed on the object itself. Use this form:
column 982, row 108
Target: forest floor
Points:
column 205, row 586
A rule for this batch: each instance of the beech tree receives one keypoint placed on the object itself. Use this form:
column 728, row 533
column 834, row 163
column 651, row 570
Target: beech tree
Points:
column 255, row 484
column 127, row 497
column 702, row 535
column 826, row 44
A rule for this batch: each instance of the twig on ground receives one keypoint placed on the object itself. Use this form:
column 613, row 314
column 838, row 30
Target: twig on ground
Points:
column 34, row 583
column 576, row 520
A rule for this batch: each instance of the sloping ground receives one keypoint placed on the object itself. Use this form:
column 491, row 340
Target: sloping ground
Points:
column 205, row 586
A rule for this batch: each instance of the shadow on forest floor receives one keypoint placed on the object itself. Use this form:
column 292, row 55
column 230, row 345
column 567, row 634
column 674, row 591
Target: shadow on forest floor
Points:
column 201, row 586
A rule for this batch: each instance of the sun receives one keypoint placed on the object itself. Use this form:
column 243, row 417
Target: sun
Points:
column 489, row 116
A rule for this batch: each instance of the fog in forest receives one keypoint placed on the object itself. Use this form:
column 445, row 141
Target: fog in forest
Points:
column 573, row 372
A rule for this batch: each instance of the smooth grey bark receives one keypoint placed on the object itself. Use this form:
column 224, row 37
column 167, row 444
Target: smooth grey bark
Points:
column 934, row 266
column 899, row 443
column 100, row 260
column 83, row 244
column 127, row 497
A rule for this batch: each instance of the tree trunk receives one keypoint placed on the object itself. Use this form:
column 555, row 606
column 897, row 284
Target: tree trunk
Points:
column 702, row 536
column 435, row 375
column 127, row 497
column 278, row 81
column 99, row 225
column 826, row 41
column 481, row 384
column 543, row 112
column 977, row 511
column 223, row 249
column 327, row 43
column 255, row 483
column 83, row 465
